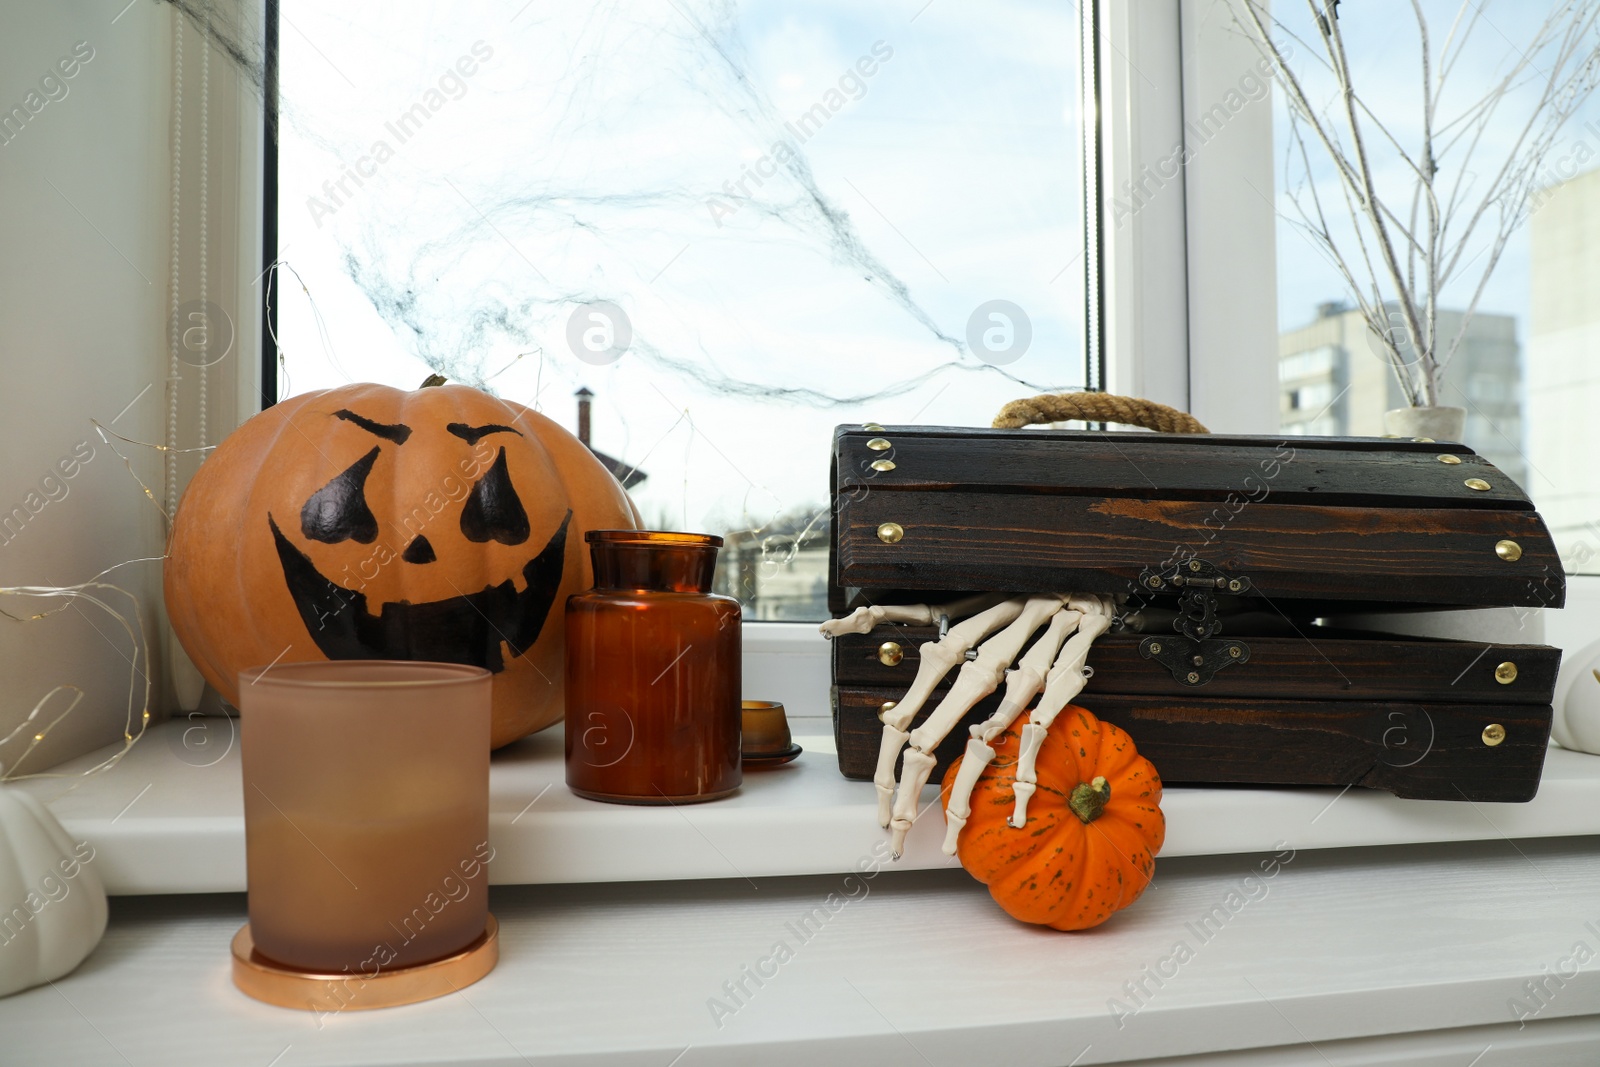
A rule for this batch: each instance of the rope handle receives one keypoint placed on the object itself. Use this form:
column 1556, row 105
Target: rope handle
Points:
column 1096, row 407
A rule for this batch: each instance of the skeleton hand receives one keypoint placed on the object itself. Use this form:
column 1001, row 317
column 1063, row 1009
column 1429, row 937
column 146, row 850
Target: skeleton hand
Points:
column 864, row 620
column 1049, row 667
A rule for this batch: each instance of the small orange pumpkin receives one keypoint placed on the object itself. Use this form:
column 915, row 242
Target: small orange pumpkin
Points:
column 1094, row 825
column 366, row 522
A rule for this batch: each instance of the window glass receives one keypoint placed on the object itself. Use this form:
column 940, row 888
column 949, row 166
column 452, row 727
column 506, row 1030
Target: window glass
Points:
column 734, row 225
column 1523, row 364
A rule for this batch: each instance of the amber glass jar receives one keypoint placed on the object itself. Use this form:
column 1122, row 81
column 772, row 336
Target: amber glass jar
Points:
column 653, row 710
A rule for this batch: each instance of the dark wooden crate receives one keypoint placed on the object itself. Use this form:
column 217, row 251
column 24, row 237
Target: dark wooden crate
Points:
column 1314, row 524
column 1320, row 710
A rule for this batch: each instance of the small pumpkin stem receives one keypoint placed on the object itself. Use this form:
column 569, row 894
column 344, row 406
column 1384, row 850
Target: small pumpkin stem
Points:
column 432, row 380
column 1089, row 799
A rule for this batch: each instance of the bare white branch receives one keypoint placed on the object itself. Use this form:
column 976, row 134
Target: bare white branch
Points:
column 1461, row 215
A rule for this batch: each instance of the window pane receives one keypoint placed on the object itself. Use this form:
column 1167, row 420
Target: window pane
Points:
column 738, row 225
column 1524, row 368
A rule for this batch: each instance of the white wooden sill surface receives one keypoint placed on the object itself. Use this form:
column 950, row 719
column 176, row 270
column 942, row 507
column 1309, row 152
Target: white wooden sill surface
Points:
column 1373, row 956
column 160, row 824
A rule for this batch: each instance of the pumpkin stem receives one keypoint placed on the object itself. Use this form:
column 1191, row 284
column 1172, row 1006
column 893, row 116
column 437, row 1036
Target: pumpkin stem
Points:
column 1089, row 799
column 432, row 380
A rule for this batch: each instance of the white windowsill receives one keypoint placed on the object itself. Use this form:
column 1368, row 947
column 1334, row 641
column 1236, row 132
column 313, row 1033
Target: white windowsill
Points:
column 1373, row 957
column 158, row 824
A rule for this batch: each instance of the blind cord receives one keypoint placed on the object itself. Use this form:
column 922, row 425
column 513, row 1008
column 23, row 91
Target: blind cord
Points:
column 174, row 331
column 205, row 183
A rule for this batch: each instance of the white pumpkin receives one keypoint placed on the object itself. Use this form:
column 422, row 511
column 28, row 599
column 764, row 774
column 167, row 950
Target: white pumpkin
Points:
column 52, row 904
column 1577, row 719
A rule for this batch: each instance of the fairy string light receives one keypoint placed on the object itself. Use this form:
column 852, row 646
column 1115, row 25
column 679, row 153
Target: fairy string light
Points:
column 37, row 724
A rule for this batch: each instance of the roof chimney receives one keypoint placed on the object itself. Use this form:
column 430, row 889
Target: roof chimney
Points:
column 584, row 397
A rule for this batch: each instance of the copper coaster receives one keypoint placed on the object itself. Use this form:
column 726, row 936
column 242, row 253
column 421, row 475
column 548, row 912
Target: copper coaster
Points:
column 275, row 983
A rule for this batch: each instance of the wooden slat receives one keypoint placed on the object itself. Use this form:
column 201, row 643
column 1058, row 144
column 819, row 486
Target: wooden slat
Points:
column 1288, row 470
column 1425, row 751
column 1002, row 542
column 1314, row 667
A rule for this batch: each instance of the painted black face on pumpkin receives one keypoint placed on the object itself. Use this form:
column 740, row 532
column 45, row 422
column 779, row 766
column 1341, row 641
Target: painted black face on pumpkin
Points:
column 464, row 629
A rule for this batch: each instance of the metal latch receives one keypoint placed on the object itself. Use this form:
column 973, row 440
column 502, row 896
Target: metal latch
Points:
column 1197, row 654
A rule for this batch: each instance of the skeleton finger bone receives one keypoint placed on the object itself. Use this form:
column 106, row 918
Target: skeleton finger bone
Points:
column 1066, row 681
column 974, row 762
column 976, row 680
column 1028, row 680
column 936, row 659
column 1022, row 685
column 865, row 619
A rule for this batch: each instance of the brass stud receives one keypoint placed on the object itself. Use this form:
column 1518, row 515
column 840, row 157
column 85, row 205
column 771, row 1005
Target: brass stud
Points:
column 1509, row 551
column 1506, row 673
column 1478, row 484
column 890, row 653
column 879, row 444
column 1198, row 661
column 872, row 427
column 1424, row 440
column 1448, row 459
column 890, row 533
column 888, row 706
column 1493, row 734
column 883, row 464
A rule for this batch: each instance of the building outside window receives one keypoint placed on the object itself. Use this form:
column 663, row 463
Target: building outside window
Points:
column 1335, row 381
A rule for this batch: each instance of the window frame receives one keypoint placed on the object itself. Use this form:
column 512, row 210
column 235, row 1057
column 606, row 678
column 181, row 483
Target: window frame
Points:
column 1172, row 313
column 1179, row 330
column 1230, row 303
column 1154, row 327
column 1091, row 40
column 1157, row 324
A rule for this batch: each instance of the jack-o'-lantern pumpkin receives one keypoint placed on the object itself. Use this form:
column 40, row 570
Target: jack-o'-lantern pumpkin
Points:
column 367, row 522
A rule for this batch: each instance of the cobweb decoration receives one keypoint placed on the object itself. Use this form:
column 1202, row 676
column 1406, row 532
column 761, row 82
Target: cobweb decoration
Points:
column 646, row 155
column 559, row 212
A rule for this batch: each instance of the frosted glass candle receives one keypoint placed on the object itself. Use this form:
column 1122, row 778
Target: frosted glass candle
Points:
column 366, row 809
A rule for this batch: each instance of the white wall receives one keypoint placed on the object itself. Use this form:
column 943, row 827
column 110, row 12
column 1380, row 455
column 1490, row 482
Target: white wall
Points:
column 83, row 298
column 1563, row 385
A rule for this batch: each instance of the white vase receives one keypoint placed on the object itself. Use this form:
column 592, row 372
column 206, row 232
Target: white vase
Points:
column 1438, row 423
column 1577, row 717
column 52, row 905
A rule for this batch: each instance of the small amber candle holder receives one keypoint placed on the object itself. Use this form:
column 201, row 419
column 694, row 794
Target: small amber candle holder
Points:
column 653, row 673
column 765, row 728
column 766, row 741
column 366, row 805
